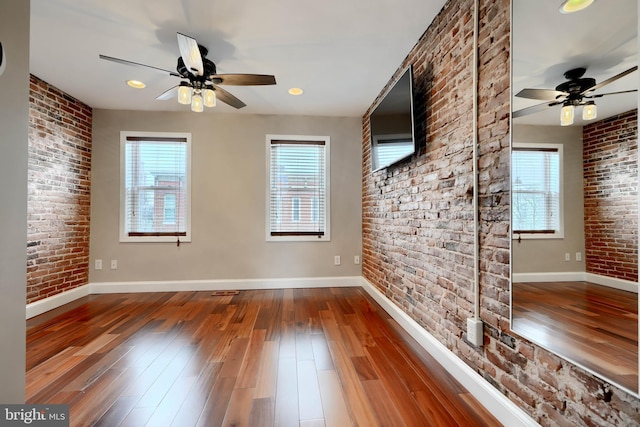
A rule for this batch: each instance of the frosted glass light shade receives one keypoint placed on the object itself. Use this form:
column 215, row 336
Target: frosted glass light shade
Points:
column 590, row 111
column 209, row 97
column 184, row 94
column 196, row 103
column 566, row 115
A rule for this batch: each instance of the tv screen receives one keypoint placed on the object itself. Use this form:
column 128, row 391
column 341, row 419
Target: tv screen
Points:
column 392, row 130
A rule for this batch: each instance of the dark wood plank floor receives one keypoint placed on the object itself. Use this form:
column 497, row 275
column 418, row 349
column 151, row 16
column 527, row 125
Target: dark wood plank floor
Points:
column 589, row 324
column 312, row 357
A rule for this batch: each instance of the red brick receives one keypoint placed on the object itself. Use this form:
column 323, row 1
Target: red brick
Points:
column 610, row 194
column 59, row 191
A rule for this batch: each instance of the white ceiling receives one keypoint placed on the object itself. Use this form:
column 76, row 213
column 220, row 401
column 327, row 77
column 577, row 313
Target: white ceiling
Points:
column 602, row 38
column 340, row 52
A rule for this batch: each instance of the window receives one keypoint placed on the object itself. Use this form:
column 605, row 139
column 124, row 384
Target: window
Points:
column 388, row 149
column 536, row 184
column 314, row 209
column 155, row 187
column 169, row 208
column 298, row 188
column 295, row 209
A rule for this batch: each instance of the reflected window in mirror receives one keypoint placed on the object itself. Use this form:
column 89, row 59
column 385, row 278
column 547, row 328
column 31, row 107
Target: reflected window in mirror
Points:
column 537, row 191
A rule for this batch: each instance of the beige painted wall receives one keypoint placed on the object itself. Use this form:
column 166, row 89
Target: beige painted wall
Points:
column 547, row 255
column 14, row 125
column 228, row 200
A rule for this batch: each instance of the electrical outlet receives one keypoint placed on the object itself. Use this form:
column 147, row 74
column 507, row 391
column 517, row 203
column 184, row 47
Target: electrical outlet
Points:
column 336, row 260
column 475, row 331
column 578, row 256
column 97, row 264
column 114, row 264
column 567, row 256
column 356, row 259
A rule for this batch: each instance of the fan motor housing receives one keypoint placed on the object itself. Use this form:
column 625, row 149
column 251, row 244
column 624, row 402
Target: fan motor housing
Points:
column 576, row 86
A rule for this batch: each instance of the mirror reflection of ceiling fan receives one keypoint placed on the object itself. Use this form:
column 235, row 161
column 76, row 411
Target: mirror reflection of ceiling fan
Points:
column 200, row 84
column 577, row 91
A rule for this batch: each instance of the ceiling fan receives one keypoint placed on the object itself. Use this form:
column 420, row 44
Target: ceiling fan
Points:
column 576, row 91
column 200, row 85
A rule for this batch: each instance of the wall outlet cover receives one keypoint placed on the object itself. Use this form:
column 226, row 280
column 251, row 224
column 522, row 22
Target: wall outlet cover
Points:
column 475, row 332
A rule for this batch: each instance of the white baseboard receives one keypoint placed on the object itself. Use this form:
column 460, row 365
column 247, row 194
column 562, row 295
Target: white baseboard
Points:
column 58, row 300
column 507, row 412
column 578, row 276
column 558, row 276
column 623, row 285
column 227, row 285
column 44, row 305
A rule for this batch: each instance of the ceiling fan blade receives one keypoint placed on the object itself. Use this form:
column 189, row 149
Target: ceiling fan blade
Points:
column 167, row 94
column 540, row 94
column 227, row 98
column 135, row 64
column 190, row 53
column 600, row 95
column 243, row 79
column 534, row 109
column 610, row 80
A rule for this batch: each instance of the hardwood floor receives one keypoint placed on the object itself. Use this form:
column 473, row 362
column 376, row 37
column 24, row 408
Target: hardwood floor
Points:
column 312, row 357
column 593, row 325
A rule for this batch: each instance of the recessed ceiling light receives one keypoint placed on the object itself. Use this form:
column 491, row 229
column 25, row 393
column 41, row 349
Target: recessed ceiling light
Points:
column 570, row 6
column 295, row 91
column 137, row 84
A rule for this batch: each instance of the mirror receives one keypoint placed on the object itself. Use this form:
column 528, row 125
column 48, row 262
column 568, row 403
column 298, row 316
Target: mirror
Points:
column 574, row 210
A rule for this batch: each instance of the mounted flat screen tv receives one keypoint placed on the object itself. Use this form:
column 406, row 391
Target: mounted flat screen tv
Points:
column 392, row 127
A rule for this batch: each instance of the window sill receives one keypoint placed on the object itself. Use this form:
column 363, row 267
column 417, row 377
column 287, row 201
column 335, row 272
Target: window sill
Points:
column 155, row 239
column 325, row 238
column 536, row 236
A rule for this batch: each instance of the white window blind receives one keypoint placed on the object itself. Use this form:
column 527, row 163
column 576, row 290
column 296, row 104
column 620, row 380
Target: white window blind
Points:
column 536, row 189
column 156, row 188
column 297, row 195
column 389, row 149
column 170, row 208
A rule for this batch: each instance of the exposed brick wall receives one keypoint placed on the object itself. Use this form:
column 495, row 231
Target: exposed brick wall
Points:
column 58, row 192
column 610, row 157
column 418, row 223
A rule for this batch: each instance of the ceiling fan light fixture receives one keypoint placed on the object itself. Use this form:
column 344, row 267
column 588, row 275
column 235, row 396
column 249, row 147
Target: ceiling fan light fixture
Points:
column 199, row 77
column 184, row 93
column 589, row 111
column 197, row 105
column 566, row 115
column 209, row 97
column 571, row 6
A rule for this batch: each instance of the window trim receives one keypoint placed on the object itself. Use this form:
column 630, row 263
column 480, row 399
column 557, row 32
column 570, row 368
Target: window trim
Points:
column 299, row 237
column 145, row 237
column 559, row 234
